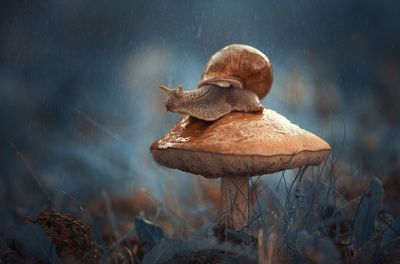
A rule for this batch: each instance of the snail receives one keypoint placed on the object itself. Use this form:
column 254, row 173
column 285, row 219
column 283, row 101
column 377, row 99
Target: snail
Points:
column 234, row 79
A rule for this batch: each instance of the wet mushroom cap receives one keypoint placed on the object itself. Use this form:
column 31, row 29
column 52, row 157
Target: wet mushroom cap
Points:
column 239, row 144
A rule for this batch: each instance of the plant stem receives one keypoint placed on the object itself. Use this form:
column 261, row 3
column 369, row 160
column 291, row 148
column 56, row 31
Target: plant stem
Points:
column 235, row 201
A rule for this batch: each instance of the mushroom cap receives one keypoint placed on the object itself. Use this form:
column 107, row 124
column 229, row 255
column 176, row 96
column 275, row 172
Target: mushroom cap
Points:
column 239, row 144
column 241, row 63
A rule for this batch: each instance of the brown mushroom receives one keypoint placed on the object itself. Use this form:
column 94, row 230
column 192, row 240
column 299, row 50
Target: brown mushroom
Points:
column 235, row 147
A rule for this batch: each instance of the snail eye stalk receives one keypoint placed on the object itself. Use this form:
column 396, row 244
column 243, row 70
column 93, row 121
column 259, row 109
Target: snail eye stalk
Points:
column 180, row 91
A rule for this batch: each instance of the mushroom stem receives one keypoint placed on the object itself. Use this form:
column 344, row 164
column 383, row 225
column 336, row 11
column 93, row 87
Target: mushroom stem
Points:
column 235, row 202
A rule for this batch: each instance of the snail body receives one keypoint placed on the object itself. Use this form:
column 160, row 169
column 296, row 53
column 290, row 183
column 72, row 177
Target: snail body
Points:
column 234, row 79
column 210, row 102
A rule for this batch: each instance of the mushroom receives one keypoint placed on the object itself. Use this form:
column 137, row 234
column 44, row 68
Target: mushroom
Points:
column 235, row 147
column 227, row 134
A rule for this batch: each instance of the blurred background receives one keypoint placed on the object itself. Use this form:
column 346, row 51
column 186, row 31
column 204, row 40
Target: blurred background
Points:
column 79, row 104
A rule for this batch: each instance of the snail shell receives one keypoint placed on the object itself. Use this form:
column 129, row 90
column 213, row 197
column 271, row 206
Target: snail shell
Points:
column 239, row 66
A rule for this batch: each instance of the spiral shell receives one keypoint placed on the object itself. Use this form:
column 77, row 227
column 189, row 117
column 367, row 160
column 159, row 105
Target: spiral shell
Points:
column 239, row 66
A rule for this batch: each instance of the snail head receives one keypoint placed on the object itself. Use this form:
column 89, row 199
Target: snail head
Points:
column 175, row 98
